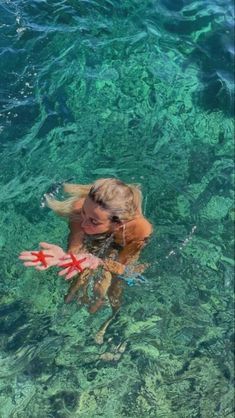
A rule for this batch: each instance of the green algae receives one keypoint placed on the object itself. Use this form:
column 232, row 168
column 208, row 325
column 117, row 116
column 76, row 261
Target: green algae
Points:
column 204, row 253
column 149, row 352
column 138, row 327
column 217, row 208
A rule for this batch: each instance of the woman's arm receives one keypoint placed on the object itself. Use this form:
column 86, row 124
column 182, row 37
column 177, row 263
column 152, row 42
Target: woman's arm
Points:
column 128, row 255
column 76, row 234
column 75, row 237
column 137, row 233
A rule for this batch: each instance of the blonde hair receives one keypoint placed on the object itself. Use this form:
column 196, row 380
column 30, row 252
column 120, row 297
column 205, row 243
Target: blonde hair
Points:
column 123, row 201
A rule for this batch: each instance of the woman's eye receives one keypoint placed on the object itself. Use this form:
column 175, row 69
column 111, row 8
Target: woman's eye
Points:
column 94, row 222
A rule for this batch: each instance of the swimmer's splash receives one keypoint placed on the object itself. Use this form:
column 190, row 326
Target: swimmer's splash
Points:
column 184, row 243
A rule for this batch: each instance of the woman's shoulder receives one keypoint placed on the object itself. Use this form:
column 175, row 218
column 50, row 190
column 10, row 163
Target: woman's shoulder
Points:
column 139, row 229
column 75, row 220
column 142, row 227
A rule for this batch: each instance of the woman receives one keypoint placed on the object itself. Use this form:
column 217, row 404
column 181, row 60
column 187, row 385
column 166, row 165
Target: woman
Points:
column 107, row 232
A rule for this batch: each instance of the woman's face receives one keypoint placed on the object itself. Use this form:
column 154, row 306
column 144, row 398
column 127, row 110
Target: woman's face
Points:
column 95, row 220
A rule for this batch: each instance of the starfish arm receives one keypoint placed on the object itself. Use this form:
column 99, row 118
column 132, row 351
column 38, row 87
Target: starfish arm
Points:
column 40, row 256
column 75, row 264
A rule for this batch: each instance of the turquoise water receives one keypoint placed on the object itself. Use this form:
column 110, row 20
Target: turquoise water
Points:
column 141, row 90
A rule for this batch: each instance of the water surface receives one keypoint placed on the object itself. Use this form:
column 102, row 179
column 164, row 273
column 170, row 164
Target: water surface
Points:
column 140, row 90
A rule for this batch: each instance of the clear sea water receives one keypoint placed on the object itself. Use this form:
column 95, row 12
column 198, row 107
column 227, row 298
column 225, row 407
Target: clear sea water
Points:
column 141, row 90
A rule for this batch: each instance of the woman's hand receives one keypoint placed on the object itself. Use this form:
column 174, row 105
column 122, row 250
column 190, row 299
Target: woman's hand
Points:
column 76, row 264
column 42, row 260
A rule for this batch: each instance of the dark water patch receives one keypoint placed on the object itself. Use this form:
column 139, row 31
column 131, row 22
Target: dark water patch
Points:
column 57, row 112
column 86, row 9
column 91, row 375
column 10, row 59
column 12, row 316
column 200, row 162
column 63, row 400
column 219, row 185
column 50, row 122
column 7, row 21
column 41, row 15
column 218, row 93
column 18, row 122
column 9, row 308
column 210, row 32
column 40, row 366
column 29, row 333
column 17, row 339
column 129, row 400
column 187, row 27
column 215, row 58
column 172, row 5
column 31, row 211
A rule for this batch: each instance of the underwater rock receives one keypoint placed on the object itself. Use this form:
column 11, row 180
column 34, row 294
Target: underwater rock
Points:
column 16, row 406
column 115, row 353
column 184, row 206
column 110, row 356
column 203, row 252
column 62, row 401
column 12, row 317
column 217, row 208
column 141, row 326
column 148, row 350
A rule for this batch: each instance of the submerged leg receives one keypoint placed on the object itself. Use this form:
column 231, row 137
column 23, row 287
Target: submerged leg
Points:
column 78, row 283
column 100, row 290
column 114, row 295
column 84, row 299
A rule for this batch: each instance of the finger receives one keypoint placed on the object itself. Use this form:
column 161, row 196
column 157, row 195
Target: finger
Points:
column 63, row 272
column 25, row 254
column 70, row 275
column 46, row 245
column 91, row 264
column 82, row 255
column 87, row 265
column 41, row 268
column 31, row 264
column 67, row 275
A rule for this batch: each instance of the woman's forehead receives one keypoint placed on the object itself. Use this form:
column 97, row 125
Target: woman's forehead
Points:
column 93, row 210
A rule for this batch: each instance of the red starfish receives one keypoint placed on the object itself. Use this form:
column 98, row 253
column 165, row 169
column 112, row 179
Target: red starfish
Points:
column 74, row 264
column 41, row 257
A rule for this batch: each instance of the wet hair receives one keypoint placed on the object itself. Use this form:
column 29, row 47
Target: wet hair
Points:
column 122, row 200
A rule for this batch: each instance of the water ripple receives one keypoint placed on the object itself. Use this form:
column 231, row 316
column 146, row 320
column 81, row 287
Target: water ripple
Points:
column 142, row 90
